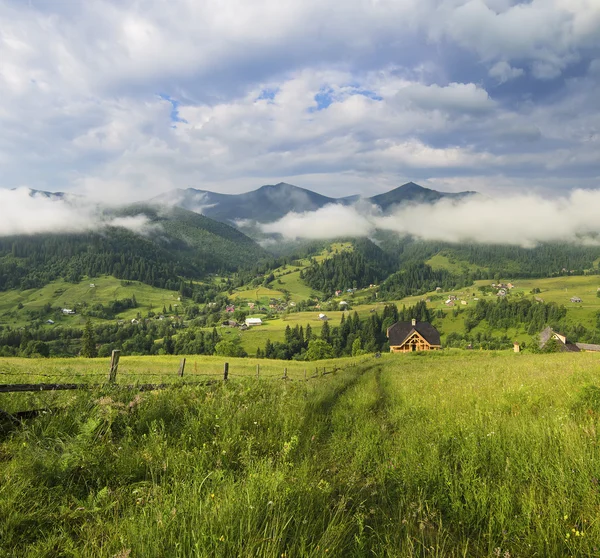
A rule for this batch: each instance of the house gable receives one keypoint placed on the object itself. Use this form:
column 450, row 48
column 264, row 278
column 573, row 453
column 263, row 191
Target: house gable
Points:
column 413, row 336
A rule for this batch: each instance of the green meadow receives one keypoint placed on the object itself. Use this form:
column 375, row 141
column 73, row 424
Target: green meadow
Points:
column 475, row 454
column 61, row 294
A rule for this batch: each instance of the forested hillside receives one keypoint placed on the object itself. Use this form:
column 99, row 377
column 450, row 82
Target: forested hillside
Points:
column 180, row 244
column 366, row 264
column 494, row 260
column 418, row 278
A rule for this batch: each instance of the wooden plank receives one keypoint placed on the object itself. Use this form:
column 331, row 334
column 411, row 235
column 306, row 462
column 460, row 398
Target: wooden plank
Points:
column 114, row 365
column 14, row 388
column 9, row 388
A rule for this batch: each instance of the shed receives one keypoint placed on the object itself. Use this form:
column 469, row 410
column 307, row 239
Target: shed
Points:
column 253, row 321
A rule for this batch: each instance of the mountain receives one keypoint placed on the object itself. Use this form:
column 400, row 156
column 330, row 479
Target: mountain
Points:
column 266, row 204
column 177, row 243
column 272, row 202
column 413, row 193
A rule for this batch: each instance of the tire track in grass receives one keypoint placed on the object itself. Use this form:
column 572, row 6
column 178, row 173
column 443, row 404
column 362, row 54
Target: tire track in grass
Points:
column 317, row 424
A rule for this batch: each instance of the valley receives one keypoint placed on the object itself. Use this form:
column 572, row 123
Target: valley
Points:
column 318, row 441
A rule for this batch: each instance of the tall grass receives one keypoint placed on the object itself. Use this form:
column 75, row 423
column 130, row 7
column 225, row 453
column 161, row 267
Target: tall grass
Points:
column 482, row 455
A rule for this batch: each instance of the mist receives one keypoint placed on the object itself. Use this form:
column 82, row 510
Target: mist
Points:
column 524, row 220
column 23, row 212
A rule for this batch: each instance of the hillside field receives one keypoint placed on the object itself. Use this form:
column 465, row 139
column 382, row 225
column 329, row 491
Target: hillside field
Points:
column 478, row 454
column 61, row 294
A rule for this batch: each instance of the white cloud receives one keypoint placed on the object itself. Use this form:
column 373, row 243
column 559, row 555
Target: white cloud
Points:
column 23, row 213
column 523, row 220
column 503, row 71
column 81, row 84
column 331, row 221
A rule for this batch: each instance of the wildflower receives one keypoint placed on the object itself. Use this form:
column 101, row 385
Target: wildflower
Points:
column 212, row 495
column 222, row 538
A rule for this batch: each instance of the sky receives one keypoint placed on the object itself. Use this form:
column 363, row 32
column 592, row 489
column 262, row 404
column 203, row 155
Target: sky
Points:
column 122, row 100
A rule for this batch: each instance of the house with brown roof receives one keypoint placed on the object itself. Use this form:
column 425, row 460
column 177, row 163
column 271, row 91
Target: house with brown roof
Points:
column 407, row 337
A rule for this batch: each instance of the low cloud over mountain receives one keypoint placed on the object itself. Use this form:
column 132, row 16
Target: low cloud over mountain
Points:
column 525, row 220
column 25, row 211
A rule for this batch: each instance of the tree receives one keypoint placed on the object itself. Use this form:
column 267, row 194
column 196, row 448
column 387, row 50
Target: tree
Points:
column 88, row 339
column 319, row 349
column 357, row 348
column 229, row 349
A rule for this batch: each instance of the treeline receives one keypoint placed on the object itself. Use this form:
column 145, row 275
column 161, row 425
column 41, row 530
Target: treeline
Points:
column 366, row 264
column 499, row 260
column 352, row 337
column 504, row 313
column 418, row 278
column 177, row 243
column 33, row 261
column 145, row 338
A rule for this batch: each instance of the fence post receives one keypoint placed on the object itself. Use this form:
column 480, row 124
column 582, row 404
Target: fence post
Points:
column 181, row 367
column 285, row 373
column 114, row 365
column 257, row 370
column 225, row 371
column 305, row 374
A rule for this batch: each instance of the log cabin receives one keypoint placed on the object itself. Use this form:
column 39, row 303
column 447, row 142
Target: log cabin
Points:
column 407, row 337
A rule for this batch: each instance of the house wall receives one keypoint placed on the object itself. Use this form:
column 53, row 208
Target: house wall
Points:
column 413, row 344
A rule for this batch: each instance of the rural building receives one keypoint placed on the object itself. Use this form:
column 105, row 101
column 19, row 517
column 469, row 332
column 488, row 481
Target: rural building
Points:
column 323, row 317
column 565, row 346
column 68, row 311
column 575, row 299
column 406, row 337
column 50, row 322
column 253, row 321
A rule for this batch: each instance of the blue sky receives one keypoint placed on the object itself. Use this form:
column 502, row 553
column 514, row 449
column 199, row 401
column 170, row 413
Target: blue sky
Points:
column 125, row 100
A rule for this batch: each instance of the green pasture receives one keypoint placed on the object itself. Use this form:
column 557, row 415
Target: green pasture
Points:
column 288, row 278
column 61, row 294
column 450, row 454
column 452, row 264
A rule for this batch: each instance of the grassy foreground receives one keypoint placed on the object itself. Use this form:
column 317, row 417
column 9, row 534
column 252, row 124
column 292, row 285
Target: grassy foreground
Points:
column 476, row 454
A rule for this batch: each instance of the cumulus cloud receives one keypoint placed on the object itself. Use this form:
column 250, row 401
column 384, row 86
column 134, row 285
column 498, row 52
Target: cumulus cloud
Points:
column 503, row 71
column 125, row 100
column 524, row 220
column 23, row 212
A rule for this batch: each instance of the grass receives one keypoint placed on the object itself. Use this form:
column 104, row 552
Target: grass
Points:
column 287, row 278
column 61, row 294
column 452, row 264
column 447, row 454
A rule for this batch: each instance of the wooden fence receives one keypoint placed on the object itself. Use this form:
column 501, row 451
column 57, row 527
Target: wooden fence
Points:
column 112, row 379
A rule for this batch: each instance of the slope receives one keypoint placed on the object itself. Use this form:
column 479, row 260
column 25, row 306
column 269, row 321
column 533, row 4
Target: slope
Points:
column 179, row 243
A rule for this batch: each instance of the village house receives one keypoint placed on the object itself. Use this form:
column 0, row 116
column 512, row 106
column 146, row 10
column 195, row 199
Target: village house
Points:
column 253, row 321
column 407, row 337
column 564, row 345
